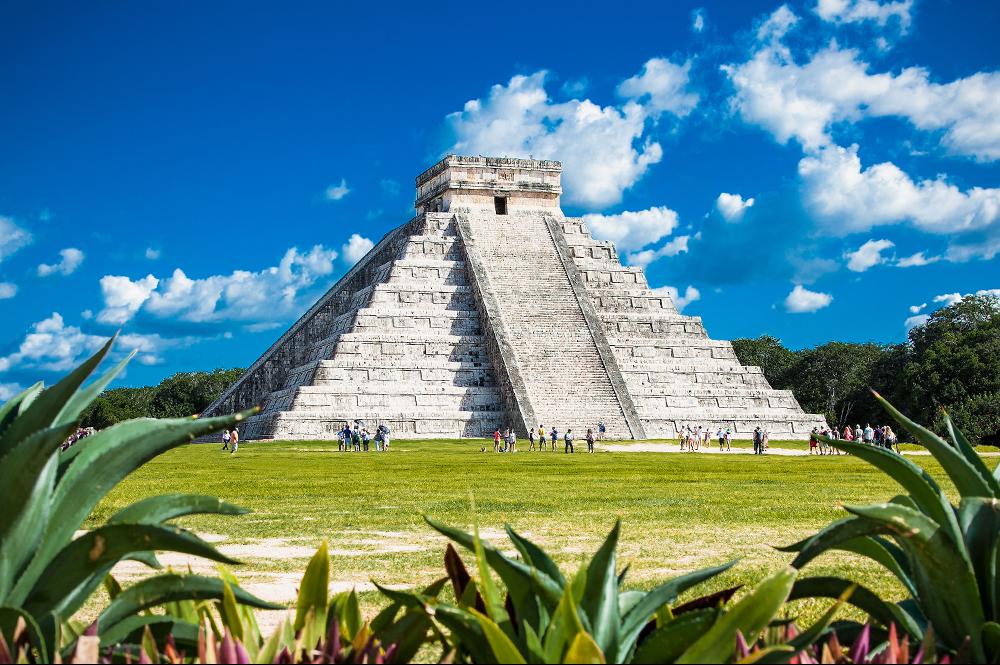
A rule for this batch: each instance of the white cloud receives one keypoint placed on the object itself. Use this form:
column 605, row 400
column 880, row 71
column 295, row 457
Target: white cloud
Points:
column 8, row 390
column 802, row 300
column 917, row 320
column 123, row 297
column 12, row 237
column 7, row 290
column 918, row 259
column 698, row 20
column 604, row 148
column 241, row 295
column 678, row 245
column 857, row 11
column 70, row 261
column 868, row 255
column 847, row 198
column 337, row 192
column 948, row 298
column 355, row 248
column 732, row 206
column 662, row 87
column 916, row 309
column 777, row 25
column 691, row 294
column 152, row 254
column 52, row 345
column 632, row 230
column 803, row 102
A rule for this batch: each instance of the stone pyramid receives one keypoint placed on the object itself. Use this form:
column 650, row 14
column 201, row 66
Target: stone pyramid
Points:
column 491, row 309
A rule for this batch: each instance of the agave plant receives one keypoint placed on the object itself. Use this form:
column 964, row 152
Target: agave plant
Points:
column 47, row 571
column 546, row 618
column 944, row 555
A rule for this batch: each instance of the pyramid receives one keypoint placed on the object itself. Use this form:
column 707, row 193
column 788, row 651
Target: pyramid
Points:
column 491, row 309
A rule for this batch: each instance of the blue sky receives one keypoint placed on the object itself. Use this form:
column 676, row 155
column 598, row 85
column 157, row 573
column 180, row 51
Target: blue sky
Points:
column 197, row 174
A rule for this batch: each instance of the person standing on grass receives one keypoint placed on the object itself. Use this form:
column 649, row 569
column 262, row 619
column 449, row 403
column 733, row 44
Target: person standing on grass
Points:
column 225, row 440
column 356, row 439
column 554, row 437
column 541, row 437
column 590, row 440
column 707, row 436
column 813, row 441
column 681, row 436
column 386, row 435
column 531, row 440
column 513, row 441
column 729, row 440
column 364, row 439
column 601, row 429
column 722, row 438
column 496, row 440
column 234, row 438
column 756, row 440
column 568, row 438
column 765, row 439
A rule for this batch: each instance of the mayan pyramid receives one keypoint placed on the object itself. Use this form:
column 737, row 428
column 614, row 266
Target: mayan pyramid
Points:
column 491, row 309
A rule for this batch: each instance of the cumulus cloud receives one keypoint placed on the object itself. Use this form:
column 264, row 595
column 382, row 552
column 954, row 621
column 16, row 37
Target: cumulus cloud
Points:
column 948, row 299
column 690, row 295
column 868, row 255
column 152, row 254
column 732, row 206
column 916, row 320
column 70, row 260
column 123, row 297
column 337, row 192
column 355, row 248
column 804, row 101
column 678, row 245
column 7, row 290
column 918, row 259
column 916, row 309
column 12, row 237
column 605, row 149
column 802, row 300
column 847, row 198
column 240, row 296
column 858, row 11
column 632, row 230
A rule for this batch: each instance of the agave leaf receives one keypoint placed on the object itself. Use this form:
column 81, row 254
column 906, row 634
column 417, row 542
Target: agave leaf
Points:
column 467, row 633
column 831, row 536
column 157, row 509
column 943, row 574
column 887, row 554
column 980, row 520
column 408, row 635
column 314, row 591
column 583, row 649
column 82, row 398
column 535, row 556
column 352, row 616
column 19, row 402
column 109, row 456
column 503, row 648
column 565, row 623
column 923, row 490
column 168, row 588
column 674, row 637
column 748, row 616
column 600, row 595
column 640, row 614
column 961, row 472
column 963, row 445
column 44, row 410
column 862, row 598
column 807, row 637
column 491, row 595
column 87, row 560
column 134, row 624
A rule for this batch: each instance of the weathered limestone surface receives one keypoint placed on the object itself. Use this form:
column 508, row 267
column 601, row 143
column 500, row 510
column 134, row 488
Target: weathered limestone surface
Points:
column 492, row 309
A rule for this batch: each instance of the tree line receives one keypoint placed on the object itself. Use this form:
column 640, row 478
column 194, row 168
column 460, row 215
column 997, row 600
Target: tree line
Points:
column 177, row 396
column 951, row 362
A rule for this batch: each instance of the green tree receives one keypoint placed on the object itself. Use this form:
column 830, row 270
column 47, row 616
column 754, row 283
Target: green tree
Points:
column 770, row 355
column 833, row 379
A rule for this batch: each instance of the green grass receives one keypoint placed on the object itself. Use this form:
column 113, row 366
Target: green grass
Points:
column 679, row 512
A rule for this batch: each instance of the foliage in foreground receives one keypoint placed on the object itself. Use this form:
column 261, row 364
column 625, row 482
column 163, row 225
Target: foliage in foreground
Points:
column 944, row 555
column 47, row 571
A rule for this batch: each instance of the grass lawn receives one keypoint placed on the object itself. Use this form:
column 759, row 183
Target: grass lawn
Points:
column 679, row 512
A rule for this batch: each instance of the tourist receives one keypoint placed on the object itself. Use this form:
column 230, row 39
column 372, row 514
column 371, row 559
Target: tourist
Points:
column 345, row 438
column 234, row 438
column 554, row 437
column 386, row 435
column 568, row 438
column 848, row 433
column 590, row 440
column 601, row 429
column 356, row 438
column 364, row 439
column 697, row 437
column 707, row 436
column 721, row 437
column 496, row 440
column 813, row 441
column 225, row 439
column 681, row 437
column 765, row 438
column 531, row 440
column 512, row 441
column 541, row 437
column 756, row 440
column 869, row 434
column 891, row 440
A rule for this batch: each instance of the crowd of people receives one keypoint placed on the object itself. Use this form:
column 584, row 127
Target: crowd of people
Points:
column 80, row 433
column 361, row 439
column 880, row 435
column 506, row 442
column 692, row 439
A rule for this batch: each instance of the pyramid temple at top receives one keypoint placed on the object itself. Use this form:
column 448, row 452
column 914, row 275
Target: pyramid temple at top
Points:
column 491, row 309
